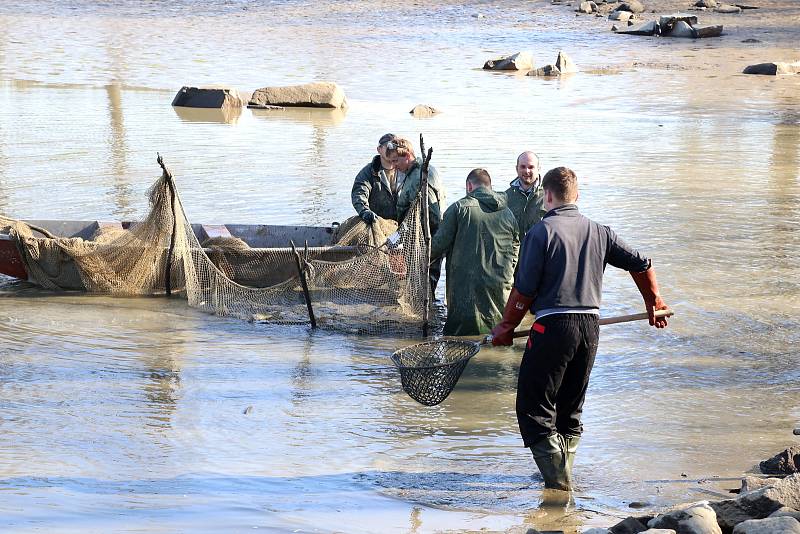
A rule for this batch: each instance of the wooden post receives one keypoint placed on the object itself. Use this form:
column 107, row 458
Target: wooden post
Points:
column 304, row 284
column 426, row 232
column 171, row 251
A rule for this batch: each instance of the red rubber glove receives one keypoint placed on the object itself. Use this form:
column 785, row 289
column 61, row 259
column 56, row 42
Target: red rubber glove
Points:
column 648, row 287
column 516, row 309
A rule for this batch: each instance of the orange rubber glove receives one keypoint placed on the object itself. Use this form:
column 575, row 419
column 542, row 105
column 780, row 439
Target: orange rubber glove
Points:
column 516, row 309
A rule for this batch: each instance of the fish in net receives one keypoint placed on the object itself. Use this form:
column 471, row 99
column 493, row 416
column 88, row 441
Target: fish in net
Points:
column 429, row 371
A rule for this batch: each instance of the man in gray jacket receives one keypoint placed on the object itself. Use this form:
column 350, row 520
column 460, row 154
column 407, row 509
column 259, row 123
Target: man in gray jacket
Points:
column 375, row 189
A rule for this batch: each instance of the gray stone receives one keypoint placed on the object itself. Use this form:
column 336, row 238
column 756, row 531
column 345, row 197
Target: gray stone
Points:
column 727, row 9
column 758, row 504
column 518, row 61
column 587, row 7
column 785, row 511
column 634, row 6
column 669, row 20
column 620, row 15
column 770, row 525
column 697, row 519
column 596, row 530
column 659, row 531
column 547, row 70
column 786, row 462
column 680, row 29
column 312, row 95
column 774, row 69
column 647, row 28
column 629, row 525
column 423, row 110
column 707, row 31
column 706, row 3
column 208, row 97
column 564, row 64
column 754, row 483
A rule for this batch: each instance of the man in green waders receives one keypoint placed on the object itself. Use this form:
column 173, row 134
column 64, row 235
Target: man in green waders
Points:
column 560, row 280
column 478, row 236
column 525, row 196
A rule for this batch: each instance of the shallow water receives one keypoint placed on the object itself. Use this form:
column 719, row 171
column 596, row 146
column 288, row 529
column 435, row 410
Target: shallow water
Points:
column 141, row 415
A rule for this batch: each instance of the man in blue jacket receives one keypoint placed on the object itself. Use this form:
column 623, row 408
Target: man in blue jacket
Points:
column 560, row 279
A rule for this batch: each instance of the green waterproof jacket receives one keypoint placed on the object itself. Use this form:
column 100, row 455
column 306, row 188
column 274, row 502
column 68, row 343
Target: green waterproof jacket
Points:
column 528, row 208
column 479, row 237
column 371, row 191
column 410, row 188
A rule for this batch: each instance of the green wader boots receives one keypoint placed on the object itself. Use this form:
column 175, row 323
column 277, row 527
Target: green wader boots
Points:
column 553, row 456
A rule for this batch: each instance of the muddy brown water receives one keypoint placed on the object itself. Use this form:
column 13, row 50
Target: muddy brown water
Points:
column 141, row 415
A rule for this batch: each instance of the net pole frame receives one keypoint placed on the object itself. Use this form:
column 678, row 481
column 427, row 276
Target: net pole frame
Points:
column 306, row 295
column 173, row 234
column 426, row 232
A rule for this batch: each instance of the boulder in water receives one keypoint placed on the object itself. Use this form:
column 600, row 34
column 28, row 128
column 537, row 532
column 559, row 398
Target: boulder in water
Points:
column 773, row 69
column 518, row 61
column 423, row 110
column 311, row 95
column 208, row 97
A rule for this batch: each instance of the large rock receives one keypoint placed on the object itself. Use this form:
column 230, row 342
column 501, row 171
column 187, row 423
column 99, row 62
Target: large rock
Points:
column 727, row 9
column 629, row 525
column 208, row 97
column 518, row 61
column 786, row 462
column 564, row 64
column 774, row 69
column 679, row 29
column 647, row 28
column 621, row 16
column 311, row 95
column 771, row 525
column 707, row 31
column 785, row 511
column 706, row 3
column 755, row 483
column 587, row 6
column 547, row 70
column 758, row 504
column 634, row 6
column 697, row 519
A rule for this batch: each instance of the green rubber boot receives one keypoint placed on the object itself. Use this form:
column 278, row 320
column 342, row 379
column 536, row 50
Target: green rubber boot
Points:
column 570, row 447
column 552, row 463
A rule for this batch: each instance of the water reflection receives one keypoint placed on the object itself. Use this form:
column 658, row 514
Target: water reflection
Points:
column 117, row 141
column 319, row 118
column 225, row 115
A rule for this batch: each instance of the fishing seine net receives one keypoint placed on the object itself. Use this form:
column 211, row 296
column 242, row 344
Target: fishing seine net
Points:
column 370, row 285
column 429, row 371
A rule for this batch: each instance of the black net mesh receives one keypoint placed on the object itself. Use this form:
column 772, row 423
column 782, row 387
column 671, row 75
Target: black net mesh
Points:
column 429, row 371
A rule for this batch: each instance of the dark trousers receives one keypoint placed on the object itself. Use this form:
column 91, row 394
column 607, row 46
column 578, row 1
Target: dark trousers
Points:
column 554, row 375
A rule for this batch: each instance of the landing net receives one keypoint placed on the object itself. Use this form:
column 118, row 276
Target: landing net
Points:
column 367, row 284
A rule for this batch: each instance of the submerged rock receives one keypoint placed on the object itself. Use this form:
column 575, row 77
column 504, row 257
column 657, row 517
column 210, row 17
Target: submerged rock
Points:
column 518, row 61
column 423, row 110
column 314, row 95
column 564, row 63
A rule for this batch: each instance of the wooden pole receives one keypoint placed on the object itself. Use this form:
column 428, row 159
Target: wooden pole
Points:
column 304, row 284
column 174, row 235
column 426, row 232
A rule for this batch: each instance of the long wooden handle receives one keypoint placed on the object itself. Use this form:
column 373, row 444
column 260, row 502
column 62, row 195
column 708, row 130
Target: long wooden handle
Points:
column 615, row 320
